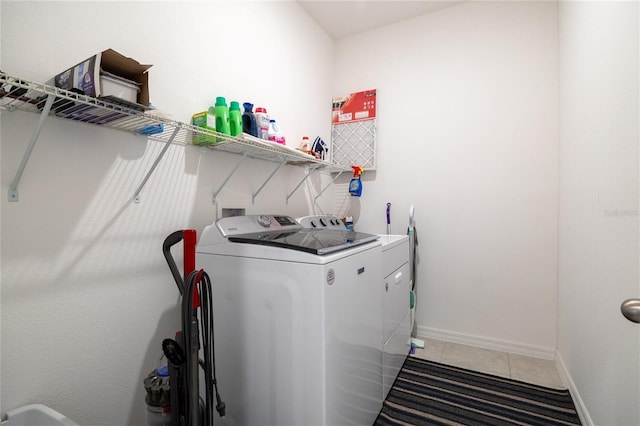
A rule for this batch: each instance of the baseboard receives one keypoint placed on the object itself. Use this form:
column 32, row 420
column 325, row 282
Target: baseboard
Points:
column 585, row 418
column 487, row 343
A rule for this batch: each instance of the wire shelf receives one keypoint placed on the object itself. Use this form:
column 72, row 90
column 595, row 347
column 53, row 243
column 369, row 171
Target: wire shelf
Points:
column 23, row 95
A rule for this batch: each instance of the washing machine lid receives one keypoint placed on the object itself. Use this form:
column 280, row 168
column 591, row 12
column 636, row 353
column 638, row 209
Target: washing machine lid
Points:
column 308, row 240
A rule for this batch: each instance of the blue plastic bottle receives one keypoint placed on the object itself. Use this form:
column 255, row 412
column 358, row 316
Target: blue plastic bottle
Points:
column 249, row 120
column 355, row 186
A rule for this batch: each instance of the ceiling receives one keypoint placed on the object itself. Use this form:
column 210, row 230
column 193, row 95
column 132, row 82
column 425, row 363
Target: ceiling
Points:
column 343, row 18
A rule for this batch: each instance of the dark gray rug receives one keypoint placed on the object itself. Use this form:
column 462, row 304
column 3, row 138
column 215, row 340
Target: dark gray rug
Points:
column 430, row 393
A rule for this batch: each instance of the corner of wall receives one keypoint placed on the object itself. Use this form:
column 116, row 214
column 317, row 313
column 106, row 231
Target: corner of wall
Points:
column 583, row 413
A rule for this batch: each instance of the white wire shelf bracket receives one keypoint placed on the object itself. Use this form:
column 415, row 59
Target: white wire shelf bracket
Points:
column 136, row 195
column 47, row 100
column 13, row 188
column 306, row 176
column 327, row 187
column 255, row 194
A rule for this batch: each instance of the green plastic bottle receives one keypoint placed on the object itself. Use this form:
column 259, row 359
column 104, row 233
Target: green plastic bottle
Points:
column 222, row 117
column 235, row 119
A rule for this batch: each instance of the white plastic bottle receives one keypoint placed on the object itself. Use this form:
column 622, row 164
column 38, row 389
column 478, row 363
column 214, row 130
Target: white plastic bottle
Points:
column 262, row 122
column 304, row 145
column 275, row 135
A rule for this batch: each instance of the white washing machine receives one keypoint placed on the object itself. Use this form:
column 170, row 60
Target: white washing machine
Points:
column 395, row 288
column 297, row 314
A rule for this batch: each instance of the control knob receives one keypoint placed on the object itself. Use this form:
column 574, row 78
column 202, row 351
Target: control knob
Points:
column 264, row 221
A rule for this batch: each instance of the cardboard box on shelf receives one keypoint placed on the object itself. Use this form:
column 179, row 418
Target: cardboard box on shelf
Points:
column 109, row 74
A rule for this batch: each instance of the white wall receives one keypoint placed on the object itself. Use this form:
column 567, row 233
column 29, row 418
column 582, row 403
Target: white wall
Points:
column 468, row 133
column 86, row 294
column 598, row 241
column 0, row 228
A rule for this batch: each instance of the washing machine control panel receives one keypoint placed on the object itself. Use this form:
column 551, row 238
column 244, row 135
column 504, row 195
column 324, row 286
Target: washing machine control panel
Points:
column 322, row 222
column 239, row 225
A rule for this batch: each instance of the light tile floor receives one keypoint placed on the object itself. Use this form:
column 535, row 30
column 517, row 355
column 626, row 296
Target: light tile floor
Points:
column 518, row 367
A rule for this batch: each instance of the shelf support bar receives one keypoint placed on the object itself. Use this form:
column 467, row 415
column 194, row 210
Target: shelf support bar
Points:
column 136, row 195
column 215, row 194
column 13, row 189
column 327, row 187
column 306, row 176
column 253, row 199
